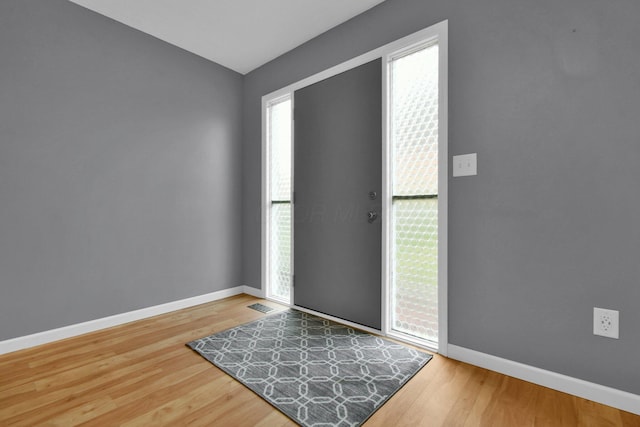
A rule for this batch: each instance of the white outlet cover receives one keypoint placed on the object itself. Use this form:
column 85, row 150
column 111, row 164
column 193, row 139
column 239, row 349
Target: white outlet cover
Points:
column 606, row 322
column 465, row 164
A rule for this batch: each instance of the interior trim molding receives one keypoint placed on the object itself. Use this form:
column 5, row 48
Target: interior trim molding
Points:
column 254, row 292
column 591, row 391
column 436, row 32
column 39, row 338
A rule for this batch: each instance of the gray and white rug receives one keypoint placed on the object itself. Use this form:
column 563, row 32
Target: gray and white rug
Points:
column 317, row 372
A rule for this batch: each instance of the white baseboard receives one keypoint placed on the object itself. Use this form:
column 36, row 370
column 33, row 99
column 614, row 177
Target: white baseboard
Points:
column 39, row 338
column 250, row 290
column 598, row 393
column 595, row 392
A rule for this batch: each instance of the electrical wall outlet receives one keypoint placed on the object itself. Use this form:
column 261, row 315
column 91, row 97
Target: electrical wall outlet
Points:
column 606, row 323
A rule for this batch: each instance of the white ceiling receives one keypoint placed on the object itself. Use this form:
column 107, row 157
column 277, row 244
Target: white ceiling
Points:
column 239, row 34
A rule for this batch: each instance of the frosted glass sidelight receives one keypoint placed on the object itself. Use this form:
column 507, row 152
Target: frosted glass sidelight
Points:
column 414, row 132
column 279, row 137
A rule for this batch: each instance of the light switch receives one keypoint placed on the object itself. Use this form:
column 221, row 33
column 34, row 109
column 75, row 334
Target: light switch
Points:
column 465, row 165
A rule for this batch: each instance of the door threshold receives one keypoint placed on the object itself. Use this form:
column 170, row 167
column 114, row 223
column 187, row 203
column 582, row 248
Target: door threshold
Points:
column 340, row 320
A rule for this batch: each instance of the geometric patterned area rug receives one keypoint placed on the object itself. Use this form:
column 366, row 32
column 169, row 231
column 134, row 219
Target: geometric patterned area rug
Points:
column 315, row 371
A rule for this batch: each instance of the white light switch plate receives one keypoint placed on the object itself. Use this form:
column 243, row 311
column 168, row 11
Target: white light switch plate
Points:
column 465, row 165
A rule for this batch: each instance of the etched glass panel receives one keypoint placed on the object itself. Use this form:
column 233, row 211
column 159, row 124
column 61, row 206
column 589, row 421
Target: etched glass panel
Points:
column 281, row 251
column 415, row 122
column 280, row 143
column 415, row 294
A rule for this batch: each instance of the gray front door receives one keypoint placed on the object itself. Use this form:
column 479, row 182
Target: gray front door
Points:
column 337, row 182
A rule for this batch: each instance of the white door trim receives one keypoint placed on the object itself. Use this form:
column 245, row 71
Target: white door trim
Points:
column 437, row 32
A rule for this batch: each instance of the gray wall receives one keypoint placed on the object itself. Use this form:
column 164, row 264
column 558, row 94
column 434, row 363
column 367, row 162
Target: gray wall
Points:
column 548, row 94
column 120, row 171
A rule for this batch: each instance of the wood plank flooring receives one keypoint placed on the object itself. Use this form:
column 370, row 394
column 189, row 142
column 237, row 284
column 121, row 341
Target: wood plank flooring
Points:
column 142, row 374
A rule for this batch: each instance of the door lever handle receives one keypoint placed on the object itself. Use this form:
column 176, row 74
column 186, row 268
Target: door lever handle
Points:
column 372, row 215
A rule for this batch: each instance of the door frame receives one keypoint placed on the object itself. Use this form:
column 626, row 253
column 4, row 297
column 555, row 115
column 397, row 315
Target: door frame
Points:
column 387, row 52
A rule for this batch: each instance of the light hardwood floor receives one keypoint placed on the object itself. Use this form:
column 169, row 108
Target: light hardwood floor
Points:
column 142, row 374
